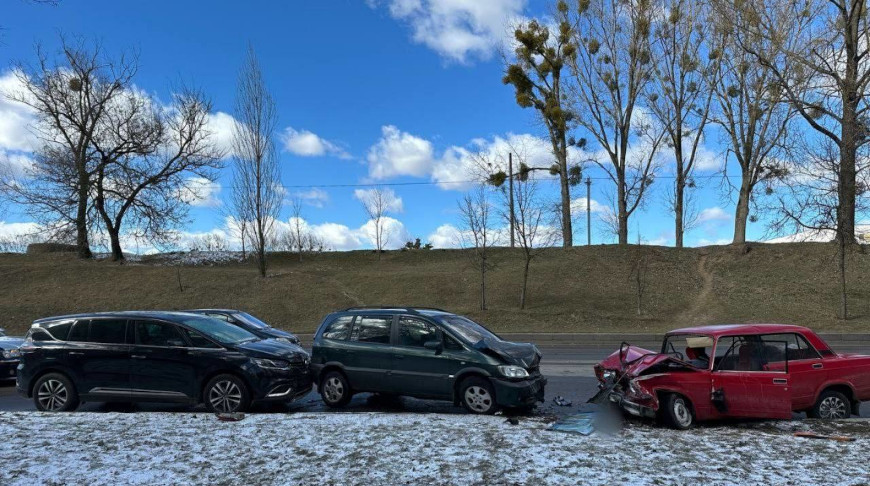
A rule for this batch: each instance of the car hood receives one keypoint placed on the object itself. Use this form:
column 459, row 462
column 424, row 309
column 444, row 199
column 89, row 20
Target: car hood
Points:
column 269, row 348
column 519, row 354
column 635, row 361
column 278, row 333
column 8, row 342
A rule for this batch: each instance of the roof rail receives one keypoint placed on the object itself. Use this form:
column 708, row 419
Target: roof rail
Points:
column 391, row 307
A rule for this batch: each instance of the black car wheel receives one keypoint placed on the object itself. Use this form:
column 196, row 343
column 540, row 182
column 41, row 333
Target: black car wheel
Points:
column 831, row 405
column 478, row 396
column 226, row 394
column 676, row 411
column 335, row 390
column 55, row 392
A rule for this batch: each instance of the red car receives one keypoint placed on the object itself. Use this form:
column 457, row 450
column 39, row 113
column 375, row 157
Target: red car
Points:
column 753, row 370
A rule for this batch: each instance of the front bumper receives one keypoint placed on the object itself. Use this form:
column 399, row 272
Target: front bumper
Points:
column 282, row 385
column 527, row 392
column 7, row 369
column 631, row 407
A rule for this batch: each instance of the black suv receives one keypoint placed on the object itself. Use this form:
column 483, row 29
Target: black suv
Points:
column 249, row 323
column 424, row 353
column 156, row 357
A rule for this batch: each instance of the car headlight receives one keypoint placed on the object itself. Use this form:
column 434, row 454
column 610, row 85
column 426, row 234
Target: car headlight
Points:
column 276, row 364
column 11, row 353
column 287, row 340
column 513, row 371
column 607, row 375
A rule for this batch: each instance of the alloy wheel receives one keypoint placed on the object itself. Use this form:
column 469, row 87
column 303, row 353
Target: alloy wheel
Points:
column 478, row 399
column 682, row 414
column 333, row 389
column 52, row 395
column 225, row 396
column 833, row 408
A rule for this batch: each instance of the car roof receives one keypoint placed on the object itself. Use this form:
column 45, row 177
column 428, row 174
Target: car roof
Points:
column 221, row 311
column 167, row 315
column 736, row 329
column 426, row 311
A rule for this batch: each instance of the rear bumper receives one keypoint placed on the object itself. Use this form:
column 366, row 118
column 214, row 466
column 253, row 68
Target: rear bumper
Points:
column 519, row 393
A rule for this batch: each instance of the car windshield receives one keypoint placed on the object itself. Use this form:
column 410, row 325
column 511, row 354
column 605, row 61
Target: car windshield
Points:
column 467, row 329
column 251, row 320
column 220, row 331
column 692, row 348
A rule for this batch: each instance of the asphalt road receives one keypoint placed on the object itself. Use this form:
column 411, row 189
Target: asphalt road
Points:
column 567, row 368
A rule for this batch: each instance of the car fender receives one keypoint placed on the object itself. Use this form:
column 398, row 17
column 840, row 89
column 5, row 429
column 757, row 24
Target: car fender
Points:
column 317, row 369
column 52, row 367
column 835, row 383
column 464, row 372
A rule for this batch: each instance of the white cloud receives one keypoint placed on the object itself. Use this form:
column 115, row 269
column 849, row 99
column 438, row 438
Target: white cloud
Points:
column 713, row 214
column 221, row 125
column 458, row 30
column 399, row 153
column 11, row 230
column 445, row 236
column 578, row 206
column 716, row 242
column 305, row 143
column 392, row 203
column 201, row 192
column 14, row 166
column 393, row 232
column 15, row 118
column 314, row 197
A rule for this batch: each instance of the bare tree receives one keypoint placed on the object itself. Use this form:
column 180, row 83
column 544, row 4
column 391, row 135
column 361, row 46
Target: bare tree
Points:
column 147, row 158
column 298, row 231
column 377, row 203
column 256, row 177
column 638, row 274
column 536, row 75
column 751, row 110
column 477, row 233
column 679, row 96
column 533, row 235
column 611, row 71
column 72, row 98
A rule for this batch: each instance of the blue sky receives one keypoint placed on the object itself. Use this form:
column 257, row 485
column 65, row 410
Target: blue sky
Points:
column 386, row 91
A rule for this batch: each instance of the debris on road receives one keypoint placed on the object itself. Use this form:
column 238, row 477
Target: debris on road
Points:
column 230, row 417
column 582, row 423
column 812, row 435
column 561, row 401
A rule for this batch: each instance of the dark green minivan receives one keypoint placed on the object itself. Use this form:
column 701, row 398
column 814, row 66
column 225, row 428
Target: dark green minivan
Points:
column 423, row 353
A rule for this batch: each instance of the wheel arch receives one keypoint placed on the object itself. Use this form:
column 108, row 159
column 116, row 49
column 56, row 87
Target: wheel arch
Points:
column 53, row 369
column 200, row 398
column 464, row 374
column 844, row 388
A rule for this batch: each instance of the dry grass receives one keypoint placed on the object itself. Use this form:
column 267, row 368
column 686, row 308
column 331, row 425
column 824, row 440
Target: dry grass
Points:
column 583, row 289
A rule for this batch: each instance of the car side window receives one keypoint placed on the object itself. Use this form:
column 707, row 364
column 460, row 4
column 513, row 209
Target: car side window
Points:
column 372, row 330
column 197, row 340
column 338, row 329
column 59, row 330
column 222, row 317
column 415, row 332
column 79, row 331
column 798, row 347
column 108, row 331
column 739, row 353
column 156, row 333
column 452, row 344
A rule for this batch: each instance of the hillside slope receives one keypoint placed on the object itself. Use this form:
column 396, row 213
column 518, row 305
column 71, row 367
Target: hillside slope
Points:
column 583, row 289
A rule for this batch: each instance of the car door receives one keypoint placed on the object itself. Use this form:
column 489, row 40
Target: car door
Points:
column 161, row 366
column 367, row 354
column 98, row 353
column 418, row 370
column 746, row 384
column 805, row 368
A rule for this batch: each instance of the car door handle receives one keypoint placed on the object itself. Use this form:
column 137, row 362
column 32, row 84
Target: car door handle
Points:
column 137, row 356
column 780, row 381
column 76, row 353
column 818, row 366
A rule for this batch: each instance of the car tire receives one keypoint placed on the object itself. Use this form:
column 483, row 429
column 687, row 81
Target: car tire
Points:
column 478, row 396
column 226, row 394
column 55, row 392
column 335, row 390
column 831, row 405
column 676, row 412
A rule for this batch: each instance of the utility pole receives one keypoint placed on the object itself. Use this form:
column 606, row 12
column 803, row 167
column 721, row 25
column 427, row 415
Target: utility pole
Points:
column 511, row 195
column 588, row 211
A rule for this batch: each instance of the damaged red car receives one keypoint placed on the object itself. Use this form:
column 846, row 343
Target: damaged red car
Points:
column 754, row 371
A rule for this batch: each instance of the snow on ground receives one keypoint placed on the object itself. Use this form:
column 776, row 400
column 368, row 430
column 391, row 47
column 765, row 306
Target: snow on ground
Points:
column 387, row 448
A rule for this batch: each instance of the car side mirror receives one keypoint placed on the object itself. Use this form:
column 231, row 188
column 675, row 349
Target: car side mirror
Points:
column 436, row 346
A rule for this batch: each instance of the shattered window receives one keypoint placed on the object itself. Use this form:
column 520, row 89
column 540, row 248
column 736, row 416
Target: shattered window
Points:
column 691, row 348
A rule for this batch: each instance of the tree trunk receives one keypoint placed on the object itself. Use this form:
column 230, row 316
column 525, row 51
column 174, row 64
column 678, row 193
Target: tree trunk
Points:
column 741, row 215
column 83, row 245
column 678, row 208
column 482, row 284
column 115, row 239
column 621, row 210
column 261, row 249
column 525, row 283
column 842, row 247
column 567, row 230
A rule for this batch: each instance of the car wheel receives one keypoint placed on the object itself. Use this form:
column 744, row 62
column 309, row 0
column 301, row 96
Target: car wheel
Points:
column 55, row 392
column 226, row 394
column 478, row 396
column 676, row 412
column 831, row 405
column 335, row 389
